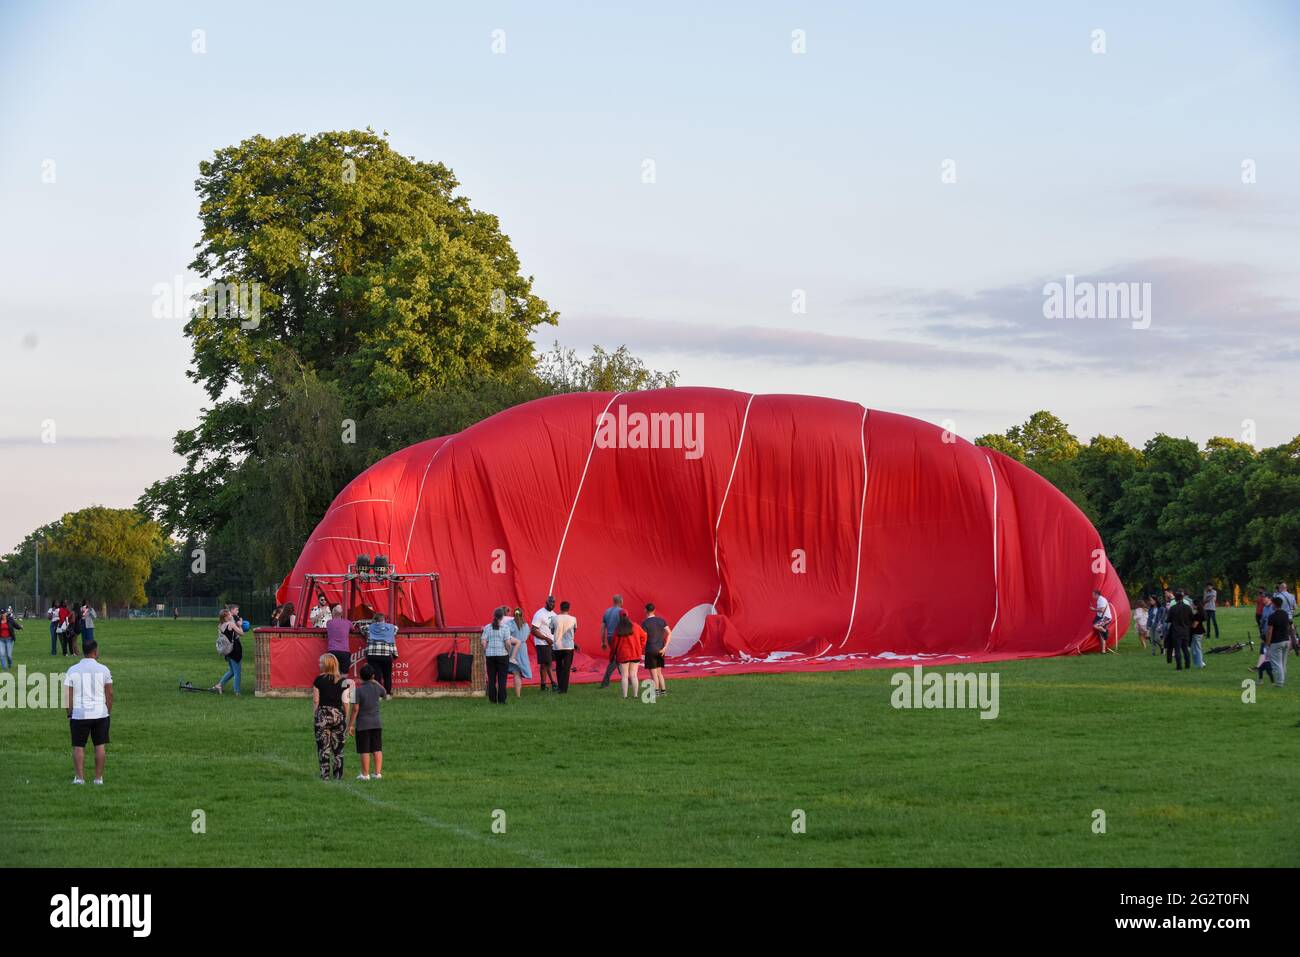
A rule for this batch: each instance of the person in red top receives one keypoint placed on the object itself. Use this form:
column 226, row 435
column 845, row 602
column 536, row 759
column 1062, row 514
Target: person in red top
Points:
column 1260, row 601
column 629, row 647
column 64, row 630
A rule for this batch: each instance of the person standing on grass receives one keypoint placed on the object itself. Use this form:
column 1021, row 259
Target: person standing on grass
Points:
column 629, row 648
column 365, row 724
column 608, row 624
column 657, row 635
column 74, row 625
column 337, row 630
column 1102, row 617
column 1261, row 602
column 229, row 628
column 1278, row 640
column 497, row 642
column 1156, row 622
column 1209, row 605
column 64, row 628
column 381, row 649
column 88, row 617
column 53, row 615
column 1198, row 633
column 543, row 631
column 89, row 703
column 327, row 709
column 521, row 669
column 566, row 642
column 1288, row 599
column 1179, row 634
column 1140, row 618
column 8, row 633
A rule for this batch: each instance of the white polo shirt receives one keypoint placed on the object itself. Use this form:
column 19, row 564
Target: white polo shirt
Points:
column 88, row 680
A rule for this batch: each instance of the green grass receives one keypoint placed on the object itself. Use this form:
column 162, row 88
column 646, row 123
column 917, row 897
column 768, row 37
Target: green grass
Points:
column 1186, row 773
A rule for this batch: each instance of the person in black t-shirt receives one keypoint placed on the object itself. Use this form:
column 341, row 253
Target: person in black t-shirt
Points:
column 657, row 634
column 331, row 727
column 1278, row 640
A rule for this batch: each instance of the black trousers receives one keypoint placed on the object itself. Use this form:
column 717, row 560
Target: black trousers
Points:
column 345, row 661
column 1211, row 619
column 1179, row 651
column 498, row 678
column 612, row 667
column 383, row 665
column 563, row 662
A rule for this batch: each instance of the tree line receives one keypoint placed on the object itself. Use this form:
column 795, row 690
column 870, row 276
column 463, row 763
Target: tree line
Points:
column 1172, row 512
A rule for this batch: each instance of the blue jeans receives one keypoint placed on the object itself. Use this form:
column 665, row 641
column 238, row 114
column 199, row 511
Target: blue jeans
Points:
column 233, row 670
column 6, row 652
column 87, row 634
column 54, row 638
column 1198, row 660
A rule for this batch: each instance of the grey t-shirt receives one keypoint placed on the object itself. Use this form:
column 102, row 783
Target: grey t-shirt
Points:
column 1211, row 598
column 367, row 697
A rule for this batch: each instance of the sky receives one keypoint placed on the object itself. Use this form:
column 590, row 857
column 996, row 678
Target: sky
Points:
column 866, row 202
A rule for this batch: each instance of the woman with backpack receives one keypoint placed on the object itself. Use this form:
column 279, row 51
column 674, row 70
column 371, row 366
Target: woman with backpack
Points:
column 232, row 649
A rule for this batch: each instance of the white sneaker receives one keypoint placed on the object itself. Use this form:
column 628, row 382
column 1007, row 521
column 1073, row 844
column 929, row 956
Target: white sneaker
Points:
column 378, row 776
column 364, row 777
column 99, row 780
column 78, row 780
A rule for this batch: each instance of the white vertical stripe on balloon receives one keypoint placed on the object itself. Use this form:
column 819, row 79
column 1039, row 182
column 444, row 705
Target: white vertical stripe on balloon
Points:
column 862, row 511
column 420, row 498
column 994, row 623
column 717, row 565
column 578, row 494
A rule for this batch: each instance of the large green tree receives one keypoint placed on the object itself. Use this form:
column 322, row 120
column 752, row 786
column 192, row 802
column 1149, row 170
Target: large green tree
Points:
column 1167, row 464
column 1272, row 499
column 1203, row 531
column 102, row 555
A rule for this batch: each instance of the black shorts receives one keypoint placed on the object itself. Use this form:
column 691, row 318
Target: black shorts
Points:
column 94, row 728
column 544, row 656
column 653, row 660
column 370, row 741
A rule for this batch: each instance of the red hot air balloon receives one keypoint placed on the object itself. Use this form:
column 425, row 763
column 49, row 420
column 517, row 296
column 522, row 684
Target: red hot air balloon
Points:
column 774, row 532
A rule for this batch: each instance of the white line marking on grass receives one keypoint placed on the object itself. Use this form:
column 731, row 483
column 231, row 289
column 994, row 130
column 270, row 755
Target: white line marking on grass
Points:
column 428, row 821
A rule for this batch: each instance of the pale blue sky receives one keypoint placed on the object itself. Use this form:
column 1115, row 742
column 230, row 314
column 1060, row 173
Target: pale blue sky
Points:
column 775, row 172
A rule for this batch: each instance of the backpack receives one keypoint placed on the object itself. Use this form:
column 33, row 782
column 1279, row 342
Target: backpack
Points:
column 224, row 645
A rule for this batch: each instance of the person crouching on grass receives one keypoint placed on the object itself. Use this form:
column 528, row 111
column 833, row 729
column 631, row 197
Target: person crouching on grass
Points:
column 89, row 703
column 629, row 646
column 331, row 729
column 365, row 724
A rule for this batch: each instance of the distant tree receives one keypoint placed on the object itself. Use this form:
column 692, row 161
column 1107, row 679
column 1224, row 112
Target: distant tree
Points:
column 103, row 555
column 562, row 370
column 1045, row 438
column 1000, row 443
column 1103, row 466
column 1203, row 532
column 1272, row 493
column 1167, row 464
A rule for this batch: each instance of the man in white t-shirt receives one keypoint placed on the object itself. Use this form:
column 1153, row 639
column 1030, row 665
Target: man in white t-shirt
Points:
column 1103, row 616
column 543, row 631
column 89, row 702
column 566, row 633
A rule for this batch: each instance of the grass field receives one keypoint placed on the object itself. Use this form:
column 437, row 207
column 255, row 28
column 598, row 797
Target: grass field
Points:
column 1186, row 773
